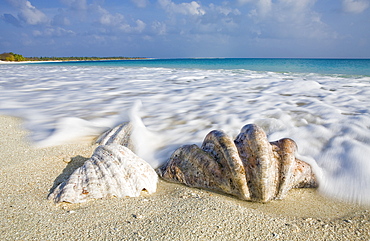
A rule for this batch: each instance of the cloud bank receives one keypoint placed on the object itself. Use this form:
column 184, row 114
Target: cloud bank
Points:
column 355, row 6
column 186, row 28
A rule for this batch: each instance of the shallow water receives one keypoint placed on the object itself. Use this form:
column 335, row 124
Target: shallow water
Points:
column 327, row 115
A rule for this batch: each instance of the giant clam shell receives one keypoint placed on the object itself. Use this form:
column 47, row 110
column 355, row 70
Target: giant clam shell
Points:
column 112, row 171
column 250, row 167
column 121, row 134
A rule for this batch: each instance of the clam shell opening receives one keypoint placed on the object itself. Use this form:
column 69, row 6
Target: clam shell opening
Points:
column 249, row 168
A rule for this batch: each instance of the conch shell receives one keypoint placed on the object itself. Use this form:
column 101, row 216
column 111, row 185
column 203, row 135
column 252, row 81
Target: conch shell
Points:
column 112, row 171
column 249, row 168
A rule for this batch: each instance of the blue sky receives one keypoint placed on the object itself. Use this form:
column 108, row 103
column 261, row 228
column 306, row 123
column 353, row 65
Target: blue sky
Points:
column 185, row 28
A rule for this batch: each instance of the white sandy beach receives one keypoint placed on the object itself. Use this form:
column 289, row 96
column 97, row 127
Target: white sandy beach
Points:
column 174, row 212
column 27, row 62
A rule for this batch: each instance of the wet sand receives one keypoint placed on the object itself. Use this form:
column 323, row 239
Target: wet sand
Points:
column 174, row 212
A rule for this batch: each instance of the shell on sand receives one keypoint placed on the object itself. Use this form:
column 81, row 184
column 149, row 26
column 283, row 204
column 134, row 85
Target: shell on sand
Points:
column 112, row 171
column 250, row 167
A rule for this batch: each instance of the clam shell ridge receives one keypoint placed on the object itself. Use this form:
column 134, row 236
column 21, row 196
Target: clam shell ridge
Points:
column 250, row 167
column 121, row 134
column 112, row 171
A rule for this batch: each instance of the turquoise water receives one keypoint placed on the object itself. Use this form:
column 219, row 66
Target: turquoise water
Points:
column 320, row 66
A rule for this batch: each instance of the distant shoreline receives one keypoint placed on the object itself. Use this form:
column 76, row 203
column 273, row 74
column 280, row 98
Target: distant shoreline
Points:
column 71, row 60
column 97, row 59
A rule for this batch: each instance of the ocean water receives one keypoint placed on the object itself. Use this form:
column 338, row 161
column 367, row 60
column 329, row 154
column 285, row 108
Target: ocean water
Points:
column 322, row 66
column 322, row 104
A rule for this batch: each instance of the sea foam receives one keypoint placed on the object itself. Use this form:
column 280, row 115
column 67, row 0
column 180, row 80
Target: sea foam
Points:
column 327, row 115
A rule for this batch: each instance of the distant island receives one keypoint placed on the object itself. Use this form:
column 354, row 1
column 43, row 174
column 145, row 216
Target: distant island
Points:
column 12, row 57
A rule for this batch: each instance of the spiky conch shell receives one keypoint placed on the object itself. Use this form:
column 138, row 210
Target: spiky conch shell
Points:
column 112, row 171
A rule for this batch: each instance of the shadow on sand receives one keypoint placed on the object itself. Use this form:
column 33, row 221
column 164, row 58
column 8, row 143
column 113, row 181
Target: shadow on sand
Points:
column 75, row 163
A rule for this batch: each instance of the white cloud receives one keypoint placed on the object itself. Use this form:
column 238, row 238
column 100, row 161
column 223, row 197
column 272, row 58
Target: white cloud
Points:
column 224, row 10
column 192, row 19
column 263, row 7
column 140, row 26
column 192, row 8
column 127, row 28
column 159, row 28
column 266, row 8
column 219, row 19
column 29, row 13
column 53, row 32
column 32, row 16
column 118, row 21
column 288, row 19
column 355, row 6
column 111, row 19
column 140, row 3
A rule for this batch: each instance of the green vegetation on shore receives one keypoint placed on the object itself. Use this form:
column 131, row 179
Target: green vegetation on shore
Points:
column 17, row 57
column 11, row 57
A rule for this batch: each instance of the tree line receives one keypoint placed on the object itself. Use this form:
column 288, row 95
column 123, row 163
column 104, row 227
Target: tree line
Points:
column 18, row 57
column 11, row 57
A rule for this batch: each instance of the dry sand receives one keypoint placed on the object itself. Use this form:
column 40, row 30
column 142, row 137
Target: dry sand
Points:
column 175, row 212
